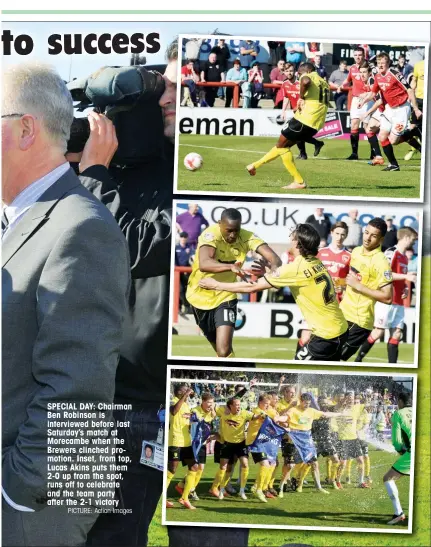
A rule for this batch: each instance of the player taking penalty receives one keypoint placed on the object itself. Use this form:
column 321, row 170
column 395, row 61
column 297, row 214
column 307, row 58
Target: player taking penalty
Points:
column 401, row 440
column 307, row 121
column 222, row 249
column 312, row 289
column 369, row 281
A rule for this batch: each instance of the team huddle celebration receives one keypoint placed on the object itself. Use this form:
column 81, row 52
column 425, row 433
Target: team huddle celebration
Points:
column 278, row 438
column 347, row 299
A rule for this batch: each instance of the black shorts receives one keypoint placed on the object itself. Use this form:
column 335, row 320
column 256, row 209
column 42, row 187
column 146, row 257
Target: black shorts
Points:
column 230, row 450
column 180, row 453
column 350, row 449
column 356, row 337
column 209, row 320
column 297, row 131
column 322, row 349
column 259, row 456
column 414, row 119
column 364, row 447
column 289, row 452
column 325, row 447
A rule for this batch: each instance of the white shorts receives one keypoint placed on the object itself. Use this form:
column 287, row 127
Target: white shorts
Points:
column 355, row 112
column 396, row 120
column 376, row 116
column 388, row 316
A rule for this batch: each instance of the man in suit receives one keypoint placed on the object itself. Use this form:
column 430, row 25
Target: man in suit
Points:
column 65, row 284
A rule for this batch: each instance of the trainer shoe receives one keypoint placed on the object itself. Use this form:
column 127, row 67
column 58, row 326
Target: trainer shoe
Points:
column 363, row 485
column 221, row 495
column 281, row 494
column 334, row 485
column 378, row 160
column 179, row 489
column 253, row 489
column 186, row 504
column 268, row 494
column 295, row 186
column 412, row 152
column 261, row 496
column 274, row 492
column 368, row 480
column 318, row 148
column 299, row 488
column 194, row 496
column 391, row 168
column 302, row 157
column 397, row 518
column 214, row 492
column 304, row 482
column 169, row 504
column 353, row 157
column 339, row 485
column 320, row 491
column 242, row 494
column 293, row 483
column 251, row 170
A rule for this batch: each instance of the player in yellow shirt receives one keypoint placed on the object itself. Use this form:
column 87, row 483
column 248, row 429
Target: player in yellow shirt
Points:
column 232, row 425
column 417, row 84
column 288, row 450
column 368, row 281
column 222, row 249
column 362, row 428
column 205, row 411
column 301, row 418
column 180, row 440
column 350, row 447
column 307, row 121
column 266, row 467
column 313, row 290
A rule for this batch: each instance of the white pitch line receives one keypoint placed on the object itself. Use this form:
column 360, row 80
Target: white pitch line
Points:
column 264, row 152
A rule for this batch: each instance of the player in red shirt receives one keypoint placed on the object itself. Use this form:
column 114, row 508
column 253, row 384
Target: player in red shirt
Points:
column 391, row 316
column 357, row 85
column 398, row 98
column 336, row 259
column 291, row 95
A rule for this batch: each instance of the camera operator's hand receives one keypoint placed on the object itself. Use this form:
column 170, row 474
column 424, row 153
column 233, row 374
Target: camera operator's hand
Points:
column 102, row 143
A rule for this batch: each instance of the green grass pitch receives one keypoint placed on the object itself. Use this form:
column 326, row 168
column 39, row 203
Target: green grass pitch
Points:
column 351, row 507
column 225, row 158
column 273, row 348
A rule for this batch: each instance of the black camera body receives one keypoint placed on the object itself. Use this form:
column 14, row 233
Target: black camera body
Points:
column 128, row 96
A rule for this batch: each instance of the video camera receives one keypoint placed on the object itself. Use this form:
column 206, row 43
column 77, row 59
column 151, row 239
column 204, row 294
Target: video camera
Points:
column 129, row 97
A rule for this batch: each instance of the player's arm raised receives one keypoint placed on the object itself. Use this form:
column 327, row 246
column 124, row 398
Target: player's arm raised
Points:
column 208, row 264
column 384, row 294
column 174, row 409
column 271, row 257
column 241, row 287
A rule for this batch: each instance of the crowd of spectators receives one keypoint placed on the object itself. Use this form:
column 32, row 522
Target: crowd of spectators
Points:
column 246, row 71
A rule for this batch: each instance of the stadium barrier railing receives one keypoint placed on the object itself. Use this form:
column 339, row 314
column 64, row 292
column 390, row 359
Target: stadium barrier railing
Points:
column 176, row 304
column 236, row 90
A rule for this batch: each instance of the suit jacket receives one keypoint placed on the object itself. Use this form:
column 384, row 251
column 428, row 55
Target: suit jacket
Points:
column 65, row 281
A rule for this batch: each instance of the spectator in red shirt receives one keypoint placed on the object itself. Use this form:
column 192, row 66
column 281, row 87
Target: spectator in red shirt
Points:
column 189, row 78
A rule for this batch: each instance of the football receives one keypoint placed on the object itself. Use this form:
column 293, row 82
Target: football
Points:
column 193, row 161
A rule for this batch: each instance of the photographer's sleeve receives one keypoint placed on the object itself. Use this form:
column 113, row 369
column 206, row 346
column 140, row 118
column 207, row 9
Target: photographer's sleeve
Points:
column 148, row 236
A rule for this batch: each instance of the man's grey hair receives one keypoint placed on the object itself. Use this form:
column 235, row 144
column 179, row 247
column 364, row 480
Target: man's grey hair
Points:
column 172, row 51
column 37, row 89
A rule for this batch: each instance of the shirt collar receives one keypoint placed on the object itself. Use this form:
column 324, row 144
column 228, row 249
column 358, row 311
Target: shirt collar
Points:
column 28, row 197
column 372, row 253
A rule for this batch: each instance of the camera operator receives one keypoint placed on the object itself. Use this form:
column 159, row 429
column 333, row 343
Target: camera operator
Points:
column 140, row 198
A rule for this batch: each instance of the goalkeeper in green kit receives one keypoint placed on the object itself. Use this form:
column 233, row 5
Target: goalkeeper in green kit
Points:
column 401, row 439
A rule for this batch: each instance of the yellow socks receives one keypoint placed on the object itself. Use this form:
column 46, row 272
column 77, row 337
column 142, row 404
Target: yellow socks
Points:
column 244, row 475
column 297, row 470
column 328, row 468
column 334, row 469
column 226, row 479
column 272, row 477
column 287, row 159
column 170, row 476
column 268, row 475
column 189, row 484
column 198, row 477
column 260, row 479
column 367, row 465
column 270, row 156
column 304, row 472
column 218, row 478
